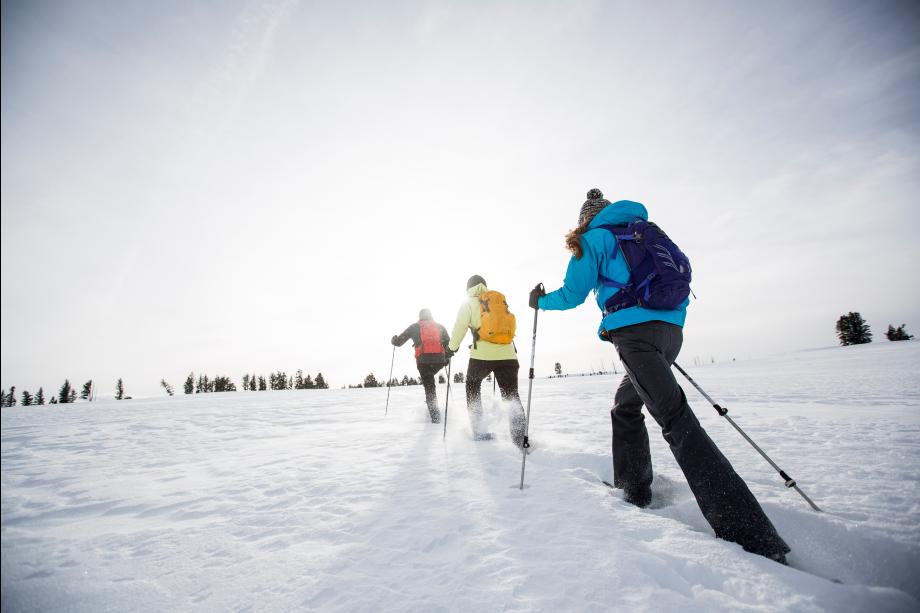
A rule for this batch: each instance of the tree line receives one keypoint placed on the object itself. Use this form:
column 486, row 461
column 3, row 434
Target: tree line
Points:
column 372, row 381
column 852, row 329
column 200, row 385
column 252, row 383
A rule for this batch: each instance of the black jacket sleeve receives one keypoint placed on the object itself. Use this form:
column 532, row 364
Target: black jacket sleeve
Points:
column 445, row 337
column 411, row 332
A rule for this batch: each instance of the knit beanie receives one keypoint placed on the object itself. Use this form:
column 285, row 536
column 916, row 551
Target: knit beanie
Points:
column 474, row 281
column 592, row 206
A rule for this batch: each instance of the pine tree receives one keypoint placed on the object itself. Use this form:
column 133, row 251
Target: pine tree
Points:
column 120, row 390
column 3, row 399
column 189, row 383
column 26, row 398
column 320, row 382
column 898, row 334
column 252, row 382
column 371, row 381
column 441, row 378
column 405, row 380
column 166, row 386
column 87, row 390
column 308, row 383
column 11, row 397
column 262, row 386
column 54, row 400
column 558, row 369
column 73, row 395
column 40, row 396
column 64, row 392
column 245, row 382
column 298, row 380
column 852, row 329
column 458, row 377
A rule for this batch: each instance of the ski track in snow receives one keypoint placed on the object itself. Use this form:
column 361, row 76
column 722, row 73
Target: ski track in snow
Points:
column 315, row 501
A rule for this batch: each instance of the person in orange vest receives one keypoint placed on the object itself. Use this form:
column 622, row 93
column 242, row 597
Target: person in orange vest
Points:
column 429, row 339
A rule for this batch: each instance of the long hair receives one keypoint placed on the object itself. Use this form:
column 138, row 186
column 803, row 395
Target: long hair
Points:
column 573, row 240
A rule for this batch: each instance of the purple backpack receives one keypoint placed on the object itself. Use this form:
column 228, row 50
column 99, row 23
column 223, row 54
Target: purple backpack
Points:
column 659, row 272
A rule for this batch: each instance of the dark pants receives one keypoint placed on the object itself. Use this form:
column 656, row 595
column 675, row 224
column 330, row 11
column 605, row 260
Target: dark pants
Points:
column 647, row 351
column 506, row 374
column 426, row 374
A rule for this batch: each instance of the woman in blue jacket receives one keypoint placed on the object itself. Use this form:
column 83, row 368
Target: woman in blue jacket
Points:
column 648, row 342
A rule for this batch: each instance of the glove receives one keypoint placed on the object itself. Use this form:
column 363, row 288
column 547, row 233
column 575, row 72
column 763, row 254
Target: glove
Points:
column 395, row 340
column 449, row 353
column 535, row 295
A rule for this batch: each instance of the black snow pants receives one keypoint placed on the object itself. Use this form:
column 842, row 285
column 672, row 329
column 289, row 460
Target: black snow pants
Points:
column 647, row 351
column 426, row 374
column 506, row 375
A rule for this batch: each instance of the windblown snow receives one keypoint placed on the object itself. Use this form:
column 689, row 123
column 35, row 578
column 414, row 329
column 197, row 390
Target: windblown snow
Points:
column 315, row 500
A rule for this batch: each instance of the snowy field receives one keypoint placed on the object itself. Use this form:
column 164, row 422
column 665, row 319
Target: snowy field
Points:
column 313, row 500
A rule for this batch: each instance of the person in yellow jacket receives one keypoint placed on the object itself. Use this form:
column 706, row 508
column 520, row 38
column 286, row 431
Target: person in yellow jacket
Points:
column 485, row 357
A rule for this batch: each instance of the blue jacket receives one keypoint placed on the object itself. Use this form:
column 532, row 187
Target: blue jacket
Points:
column 582, row 275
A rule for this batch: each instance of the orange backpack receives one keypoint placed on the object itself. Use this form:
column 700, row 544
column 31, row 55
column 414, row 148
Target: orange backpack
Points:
column 498, row 323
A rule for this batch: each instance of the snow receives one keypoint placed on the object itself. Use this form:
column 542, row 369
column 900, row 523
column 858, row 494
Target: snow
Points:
column 314, row 500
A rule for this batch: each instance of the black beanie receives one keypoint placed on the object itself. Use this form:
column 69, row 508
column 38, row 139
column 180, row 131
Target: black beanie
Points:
column 474, row 281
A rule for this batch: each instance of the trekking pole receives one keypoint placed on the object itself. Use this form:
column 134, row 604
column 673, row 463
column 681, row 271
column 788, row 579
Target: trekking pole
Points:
column 446, row 399
column 389, row 381
column 526, row 444
column 790, row 482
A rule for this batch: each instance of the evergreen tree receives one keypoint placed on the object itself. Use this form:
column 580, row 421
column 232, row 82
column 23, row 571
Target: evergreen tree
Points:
column 190, row 383
column 3, row 399
column 199, row 385
column 87, row 390
column 245, row 382
column 166, row 386
column 441, row 378
column 54, row 400
column 223, row 384
column 558, row 369
column 64, row 392
column 252, row 382
column 11, row 397
column 120, row 390
column 405, row 380
column 898, row 334
column 371, row 381
column 458, row 377
column 73, row 395
column 308, row 383
column 262, row 386
column 320, row 382
column 852, row 329
column 298, row 380
column 26, row 398
column 40, row 396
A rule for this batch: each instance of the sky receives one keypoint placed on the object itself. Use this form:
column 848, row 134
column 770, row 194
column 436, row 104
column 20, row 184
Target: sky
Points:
column 238, row 187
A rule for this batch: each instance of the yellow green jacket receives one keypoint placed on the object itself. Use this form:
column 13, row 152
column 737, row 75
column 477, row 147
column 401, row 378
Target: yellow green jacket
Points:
column 468, row 317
